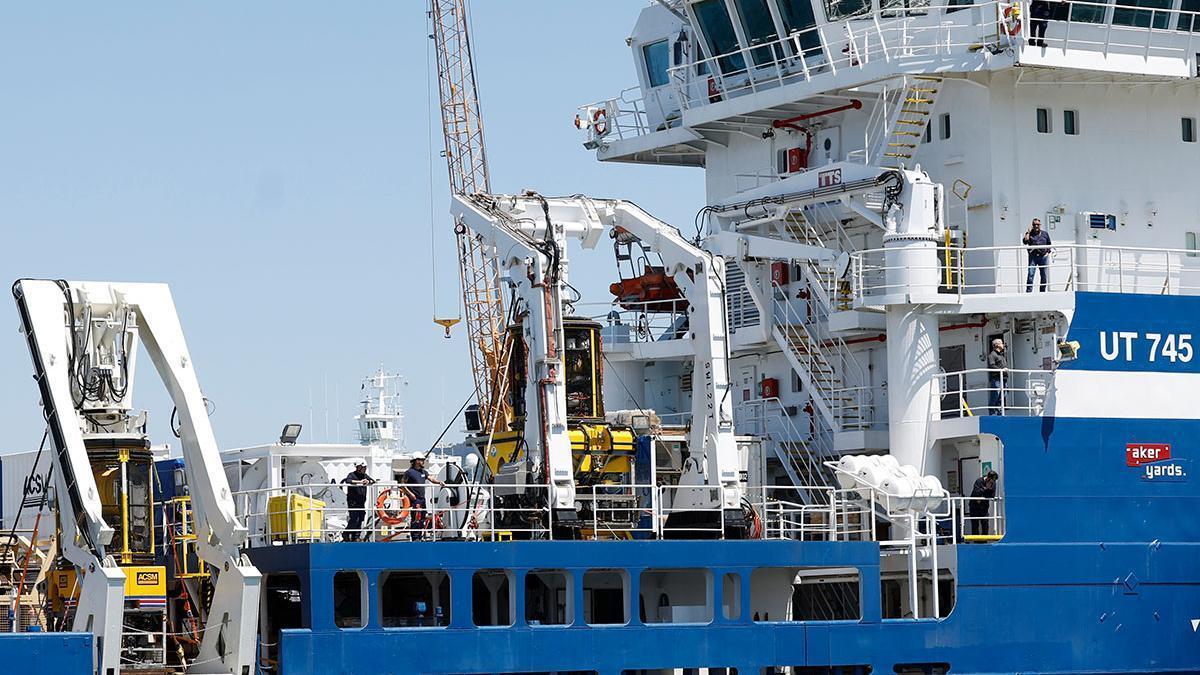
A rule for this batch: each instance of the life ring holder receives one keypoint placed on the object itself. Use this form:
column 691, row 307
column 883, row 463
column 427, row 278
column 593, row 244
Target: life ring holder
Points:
column 1012, row 20
column 600, row 122
column 392, row 516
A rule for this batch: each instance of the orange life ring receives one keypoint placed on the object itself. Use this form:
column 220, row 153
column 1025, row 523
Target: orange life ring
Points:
column 386, row 511
column 600, row 122
column 1012, row 20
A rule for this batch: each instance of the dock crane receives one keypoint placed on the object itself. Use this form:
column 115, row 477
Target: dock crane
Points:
column 83, row 340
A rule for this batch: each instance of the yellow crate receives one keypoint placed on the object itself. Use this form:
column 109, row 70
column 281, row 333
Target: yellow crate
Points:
column 295, row 518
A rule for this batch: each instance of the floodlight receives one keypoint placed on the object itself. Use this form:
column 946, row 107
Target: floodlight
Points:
column 290, row 433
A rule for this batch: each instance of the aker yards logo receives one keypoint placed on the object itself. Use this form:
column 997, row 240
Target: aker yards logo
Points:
column 1155, row 462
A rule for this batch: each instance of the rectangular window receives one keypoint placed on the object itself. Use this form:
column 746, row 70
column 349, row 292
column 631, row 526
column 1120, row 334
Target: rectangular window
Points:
column 759, row 27
column 548, row 598
column 1090, row 13
column 836, row 10
column 657, row 58
column 1189, row 242
column 1070, row 122
column 928, row 137
column 1188, row 129
column 677, row 596
column 958, row 5
column 414, row 599
column 605, row 597
column 349, row 599
column 1043, row 120
column 1189, row 16
column 945, row 119
column 718, row 34
column 798, row 19
column 891, row 8
column 1142, row 18
column 492, row 598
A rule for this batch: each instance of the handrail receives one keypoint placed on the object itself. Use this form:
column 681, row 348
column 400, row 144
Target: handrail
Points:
column 908, row 37
column 964, row 398
column 1005, row 269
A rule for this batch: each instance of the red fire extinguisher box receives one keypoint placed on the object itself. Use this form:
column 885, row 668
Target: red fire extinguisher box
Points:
column 770, row 387
column 779, row 273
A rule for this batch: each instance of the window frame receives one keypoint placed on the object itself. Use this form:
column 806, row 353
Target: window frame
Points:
column 649, row 72
column 1041, row 114
column 944, row 128
column 1071, row 128
column 1187, row 129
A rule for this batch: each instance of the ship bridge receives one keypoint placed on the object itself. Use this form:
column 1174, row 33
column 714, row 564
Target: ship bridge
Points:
column 708, row 68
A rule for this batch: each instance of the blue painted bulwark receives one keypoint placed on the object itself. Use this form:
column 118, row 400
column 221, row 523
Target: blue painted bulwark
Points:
column 45, row 653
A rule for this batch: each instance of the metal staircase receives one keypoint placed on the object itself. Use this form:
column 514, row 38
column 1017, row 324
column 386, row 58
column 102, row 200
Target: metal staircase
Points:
column 909, row 115
column 800, row 459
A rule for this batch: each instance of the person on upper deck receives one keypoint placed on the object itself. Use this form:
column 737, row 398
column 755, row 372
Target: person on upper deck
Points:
column 356, row 501
column 997, row 364
column 1040, row 13
column 415, row 479
column 980, row 505
column 1038, row 241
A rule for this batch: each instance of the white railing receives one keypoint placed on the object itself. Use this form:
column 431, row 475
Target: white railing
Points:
column 626, row 116
column 638, row 322
column 1005, row 269
column 1115, row 29
column 850, row 45
column 298, row 514
column 800, row 453
column 962, row 523
column 916, row 39
column 980, row 391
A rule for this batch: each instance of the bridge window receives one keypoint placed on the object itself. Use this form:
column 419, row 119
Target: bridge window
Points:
column 414, row 599
column 548, row 598
column 349, row 599
column 1043, row 120
column 1188, row 127
column 1143, row 18
column 945, row 126
column 605, row 599
column 759, row 27
column 657, row 58
column 718, row 34
column 836, row 10
column 1189, row 17
column 798, row 19
column 491, row 598
column 910, row 7
column 1071, row 122
column 1090, row 13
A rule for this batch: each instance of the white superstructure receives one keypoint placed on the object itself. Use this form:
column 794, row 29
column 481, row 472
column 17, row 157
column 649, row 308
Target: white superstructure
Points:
column 912, row 144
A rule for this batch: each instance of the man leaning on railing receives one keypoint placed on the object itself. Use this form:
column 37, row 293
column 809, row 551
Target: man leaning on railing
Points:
column 982, row 494
column 356, row 501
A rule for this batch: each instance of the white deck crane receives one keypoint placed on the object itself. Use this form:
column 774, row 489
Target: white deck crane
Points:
column 82, row 338
column 530, row 233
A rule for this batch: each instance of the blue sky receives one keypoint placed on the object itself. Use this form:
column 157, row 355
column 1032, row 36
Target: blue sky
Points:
column 269, row 161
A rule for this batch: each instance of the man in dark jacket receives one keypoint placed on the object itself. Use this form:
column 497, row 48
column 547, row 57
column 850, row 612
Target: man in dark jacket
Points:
column 356, row 501
column 1040, row 13
column 414, row 480
column 1039, row 254
column 997, row 364
column 980, row 504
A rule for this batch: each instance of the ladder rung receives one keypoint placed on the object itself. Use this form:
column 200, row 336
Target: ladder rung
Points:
column 918, row 100
column 897, row 154
column 920, row 123
column 902, row 145
column 914, row 134
column 923, row 90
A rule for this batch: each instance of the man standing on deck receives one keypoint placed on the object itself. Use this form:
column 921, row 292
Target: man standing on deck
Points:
column 356, row 501
column 415, row 478
column 997, row 364
column 1039, row 254
column 983, row 491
